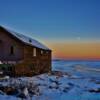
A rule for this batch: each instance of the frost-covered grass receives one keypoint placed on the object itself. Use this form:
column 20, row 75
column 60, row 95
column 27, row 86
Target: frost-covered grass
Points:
column 70, row 82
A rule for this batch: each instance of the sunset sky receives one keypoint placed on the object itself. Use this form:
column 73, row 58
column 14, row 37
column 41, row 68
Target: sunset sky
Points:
column 88, row 50
column 71, row 28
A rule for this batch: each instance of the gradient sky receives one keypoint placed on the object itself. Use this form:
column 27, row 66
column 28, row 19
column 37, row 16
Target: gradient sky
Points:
column 71, row 28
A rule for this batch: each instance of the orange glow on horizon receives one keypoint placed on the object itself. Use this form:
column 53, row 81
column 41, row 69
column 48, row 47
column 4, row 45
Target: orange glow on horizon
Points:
column 75, row 50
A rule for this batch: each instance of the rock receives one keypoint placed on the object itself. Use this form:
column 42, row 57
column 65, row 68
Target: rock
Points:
column 6, row 77
column 2, row 93
column 95, row 90
column 95, row 81
column 66, row 89
column 55, row 81
column 9, row 90
column 25, row 91
column 71, row 84
column 98, row 82
column 54, row 86
column 57, row 73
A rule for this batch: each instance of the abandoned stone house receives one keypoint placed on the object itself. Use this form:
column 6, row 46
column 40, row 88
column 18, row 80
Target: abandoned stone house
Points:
column 25, row 55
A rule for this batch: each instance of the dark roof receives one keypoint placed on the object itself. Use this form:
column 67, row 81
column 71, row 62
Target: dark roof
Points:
column 26, row 39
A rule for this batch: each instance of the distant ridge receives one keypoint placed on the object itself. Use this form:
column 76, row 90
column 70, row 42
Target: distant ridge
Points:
column 91, row 60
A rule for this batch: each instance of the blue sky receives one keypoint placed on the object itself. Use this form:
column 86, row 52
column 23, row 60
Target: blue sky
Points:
column 52, row 19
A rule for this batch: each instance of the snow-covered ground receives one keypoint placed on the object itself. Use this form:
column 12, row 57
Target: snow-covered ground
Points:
column 70, row 80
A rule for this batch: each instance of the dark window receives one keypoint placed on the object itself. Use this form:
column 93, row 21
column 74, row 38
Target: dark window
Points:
column 12, row 50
